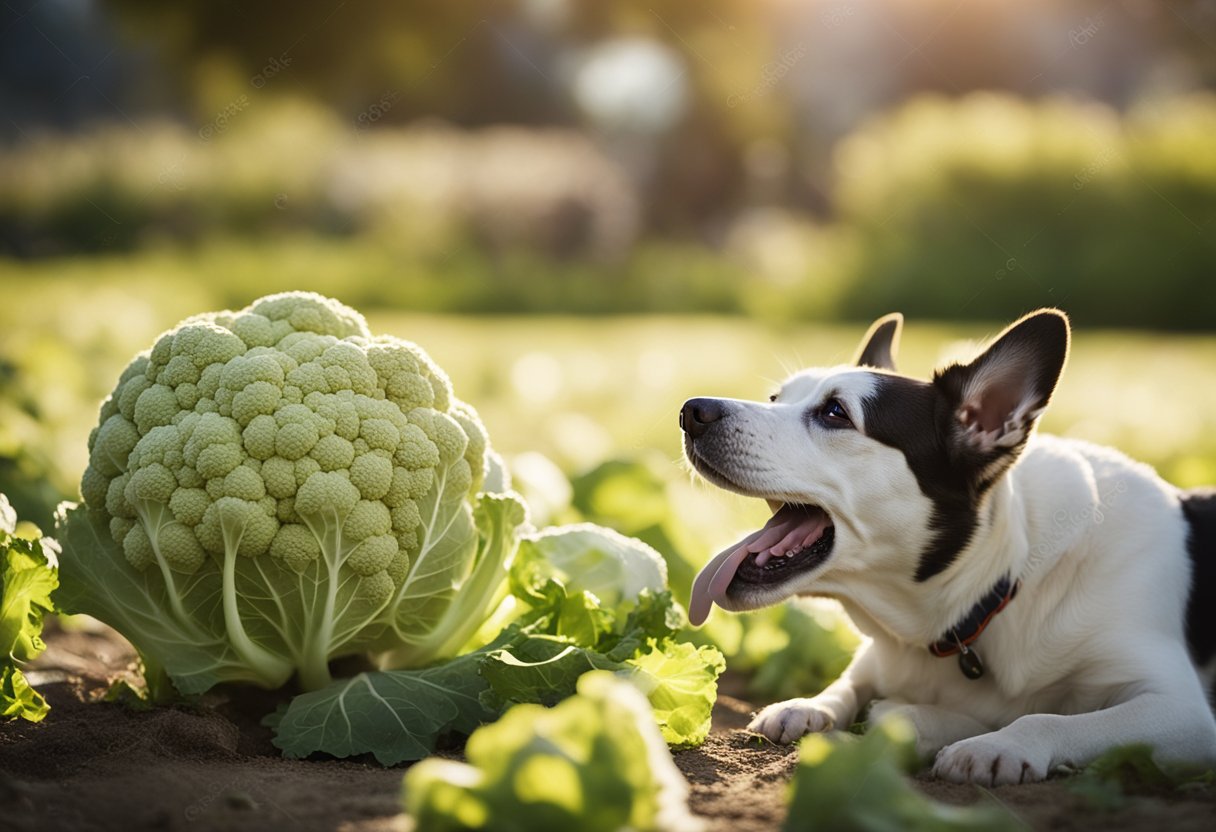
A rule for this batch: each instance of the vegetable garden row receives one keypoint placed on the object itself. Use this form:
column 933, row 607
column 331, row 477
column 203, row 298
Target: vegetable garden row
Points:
column 279, row 498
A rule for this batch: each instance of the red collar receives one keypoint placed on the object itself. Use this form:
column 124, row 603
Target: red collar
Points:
column 958, row 638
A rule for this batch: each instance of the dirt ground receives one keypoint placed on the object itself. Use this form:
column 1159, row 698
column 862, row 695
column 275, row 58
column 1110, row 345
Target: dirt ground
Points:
column 101, row 766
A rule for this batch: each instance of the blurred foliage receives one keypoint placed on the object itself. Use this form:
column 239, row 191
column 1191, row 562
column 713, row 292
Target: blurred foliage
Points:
column 977, row 208
column 1107, row 782
column 858, row 784
column 792, row 650
column 407, row 44
column 974, row 208
column 260, row 168
column 483, row 62
column 577, row 391
column 584, row 410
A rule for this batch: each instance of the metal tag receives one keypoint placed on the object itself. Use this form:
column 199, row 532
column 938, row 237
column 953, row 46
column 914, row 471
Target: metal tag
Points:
column 969, row 662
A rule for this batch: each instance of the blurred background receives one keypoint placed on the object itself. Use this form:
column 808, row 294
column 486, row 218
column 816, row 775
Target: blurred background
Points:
column 587, row 211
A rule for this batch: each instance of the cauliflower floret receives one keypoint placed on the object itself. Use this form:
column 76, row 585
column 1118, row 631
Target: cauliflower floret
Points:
column 112, row 444
column 372, row 474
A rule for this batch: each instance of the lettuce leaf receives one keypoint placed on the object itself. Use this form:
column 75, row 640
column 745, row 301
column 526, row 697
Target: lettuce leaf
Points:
column 679, row 679
column 590, row 558
column 595, row 762
column 28, row 575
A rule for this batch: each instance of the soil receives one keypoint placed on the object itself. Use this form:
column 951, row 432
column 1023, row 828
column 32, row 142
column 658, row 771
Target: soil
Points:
column 95, row 765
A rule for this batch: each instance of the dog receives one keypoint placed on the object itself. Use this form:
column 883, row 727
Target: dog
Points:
column 1028, row 601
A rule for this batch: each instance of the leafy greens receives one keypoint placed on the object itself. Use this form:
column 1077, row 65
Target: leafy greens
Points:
column 28, row 576
column 560, row 631
column 594, row 763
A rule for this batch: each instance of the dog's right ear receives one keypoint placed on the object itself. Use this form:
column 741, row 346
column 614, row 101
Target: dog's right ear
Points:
column 998, row 397
column 881, row 344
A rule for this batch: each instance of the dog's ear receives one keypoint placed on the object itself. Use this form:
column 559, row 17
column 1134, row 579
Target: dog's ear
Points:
column 880, row 345
column 998, row 397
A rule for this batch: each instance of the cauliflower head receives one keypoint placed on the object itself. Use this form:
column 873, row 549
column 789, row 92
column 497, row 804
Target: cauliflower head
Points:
column 271, row 488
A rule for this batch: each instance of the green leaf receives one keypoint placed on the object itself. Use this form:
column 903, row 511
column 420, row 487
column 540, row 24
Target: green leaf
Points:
column 122, row 692
column 27, row 582
column 594, row 763
column 847, row 782
column 679, row 680
column 397, row 716
column 570, row 632
column 542, row 669
column 591, row 558
column 28, row 575
column 18, row 699
column 655, row 618
column 98, row 581
column 1130, row 768
column 817, row 644
column 467, row 598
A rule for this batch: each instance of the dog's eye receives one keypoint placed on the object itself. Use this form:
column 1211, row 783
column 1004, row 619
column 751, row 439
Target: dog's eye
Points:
column 772, row 397
column 834, row 414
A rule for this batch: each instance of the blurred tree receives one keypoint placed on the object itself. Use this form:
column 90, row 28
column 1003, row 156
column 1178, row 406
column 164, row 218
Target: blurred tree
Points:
column 487, row 62
column 990, row 206
column 453, row 60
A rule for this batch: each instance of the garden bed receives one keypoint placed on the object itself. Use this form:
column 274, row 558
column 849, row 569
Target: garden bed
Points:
column 97, row 766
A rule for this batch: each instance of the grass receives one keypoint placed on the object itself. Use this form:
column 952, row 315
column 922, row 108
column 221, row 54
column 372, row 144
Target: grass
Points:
column 575, row 389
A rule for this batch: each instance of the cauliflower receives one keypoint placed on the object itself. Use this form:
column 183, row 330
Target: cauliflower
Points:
column 271, row 488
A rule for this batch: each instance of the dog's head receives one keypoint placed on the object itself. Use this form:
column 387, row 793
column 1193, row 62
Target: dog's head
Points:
column 867, row 470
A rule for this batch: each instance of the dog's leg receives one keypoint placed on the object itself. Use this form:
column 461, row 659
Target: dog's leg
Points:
column 1179, row 727
column 936, row 727
column 833, row 708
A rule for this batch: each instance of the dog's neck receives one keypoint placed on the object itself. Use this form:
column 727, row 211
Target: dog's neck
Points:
column 1018, row 536
column 918, row 613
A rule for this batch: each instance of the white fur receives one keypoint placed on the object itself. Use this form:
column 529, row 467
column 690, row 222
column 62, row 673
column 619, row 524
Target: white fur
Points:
column 1091, row 654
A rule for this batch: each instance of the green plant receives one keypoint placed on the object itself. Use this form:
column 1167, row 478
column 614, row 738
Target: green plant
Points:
column 594, row 762
column 1107, row 781
column 273, row 488
column 986, row 206
column 857, row 783
column 790, row 650
column 28, row 576
column 611, row 612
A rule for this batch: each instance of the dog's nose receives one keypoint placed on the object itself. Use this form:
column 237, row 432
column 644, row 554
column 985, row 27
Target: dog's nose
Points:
column 698, row 414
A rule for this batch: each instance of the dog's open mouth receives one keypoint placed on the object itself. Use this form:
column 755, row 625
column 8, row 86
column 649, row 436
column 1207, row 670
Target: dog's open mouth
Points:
column 796, row 538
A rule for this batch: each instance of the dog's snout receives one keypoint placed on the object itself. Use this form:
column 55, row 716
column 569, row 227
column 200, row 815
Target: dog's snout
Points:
column 698, row 414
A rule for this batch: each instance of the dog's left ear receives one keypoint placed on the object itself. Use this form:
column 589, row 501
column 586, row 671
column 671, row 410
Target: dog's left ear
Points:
column 880, row 345
column 998, row 397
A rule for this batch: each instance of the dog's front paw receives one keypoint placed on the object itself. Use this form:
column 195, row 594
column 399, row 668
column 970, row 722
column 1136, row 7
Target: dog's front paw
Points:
column 990, row 760
column 785, row 722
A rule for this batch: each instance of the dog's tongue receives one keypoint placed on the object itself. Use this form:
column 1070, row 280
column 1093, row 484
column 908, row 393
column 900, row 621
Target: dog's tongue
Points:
column 791, row 529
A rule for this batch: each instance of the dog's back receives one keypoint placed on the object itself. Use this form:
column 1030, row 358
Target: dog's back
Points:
column 1199, row 508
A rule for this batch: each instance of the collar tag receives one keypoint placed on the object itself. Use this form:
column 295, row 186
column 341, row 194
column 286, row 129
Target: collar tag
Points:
column 969, row 662
column 960, row 637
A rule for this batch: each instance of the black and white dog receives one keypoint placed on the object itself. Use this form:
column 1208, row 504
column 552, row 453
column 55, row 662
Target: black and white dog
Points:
column 1028, row 600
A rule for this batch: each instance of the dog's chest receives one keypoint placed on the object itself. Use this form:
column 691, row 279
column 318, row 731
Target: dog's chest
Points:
column 918, row 677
